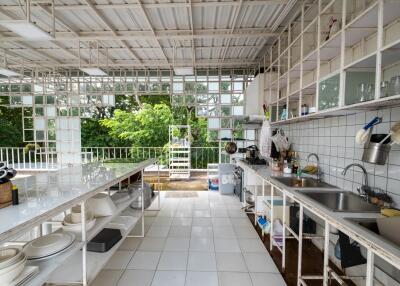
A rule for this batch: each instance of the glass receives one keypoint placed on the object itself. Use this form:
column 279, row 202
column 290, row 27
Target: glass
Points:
column 329, row 93
column 394, row 87
column 365, row 91
column 384, row 89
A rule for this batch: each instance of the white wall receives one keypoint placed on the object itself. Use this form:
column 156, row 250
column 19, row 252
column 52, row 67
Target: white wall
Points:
column 333, row 140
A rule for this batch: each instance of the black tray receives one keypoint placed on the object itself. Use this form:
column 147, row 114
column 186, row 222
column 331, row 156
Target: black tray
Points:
column 104, row 240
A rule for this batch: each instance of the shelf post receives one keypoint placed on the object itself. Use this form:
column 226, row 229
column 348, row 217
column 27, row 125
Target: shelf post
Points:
column 326, row 255
column 318, row 56
column 271, row 232
column 300, row 248
column 370, row 268
column 301, row 59
column 342, row 78
column 84, row 247
column 379, row 45
column 284, row 233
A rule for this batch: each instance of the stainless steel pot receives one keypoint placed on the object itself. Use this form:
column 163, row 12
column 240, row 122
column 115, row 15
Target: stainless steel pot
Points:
column 374, row 152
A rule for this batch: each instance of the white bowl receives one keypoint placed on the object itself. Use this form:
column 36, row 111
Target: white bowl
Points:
column 102, row 205
column 76, row 214
column 48, row 244
column 9, row 256
column 8, row 274
column 68, row 225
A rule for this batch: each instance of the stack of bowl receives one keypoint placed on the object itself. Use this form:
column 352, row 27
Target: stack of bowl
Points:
column 12, row 263
column 73, row 221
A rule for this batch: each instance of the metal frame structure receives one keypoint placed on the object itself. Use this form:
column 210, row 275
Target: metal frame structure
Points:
column 304, row 60
column 288, row 233
column 179, row 151
column 143, row 40
column 78, row 250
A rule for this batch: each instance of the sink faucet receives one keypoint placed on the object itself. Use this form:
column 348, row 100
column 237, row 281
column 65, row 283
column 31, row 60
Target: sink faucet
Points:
column 364, row 187
column 319, row 173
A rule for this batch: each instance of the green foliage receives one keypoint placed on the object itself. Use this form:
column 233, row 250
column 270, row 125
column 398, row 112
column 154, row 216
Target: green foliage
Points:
column 11, row 127
column 147, row 127
column 94, row 134
column 30, row 147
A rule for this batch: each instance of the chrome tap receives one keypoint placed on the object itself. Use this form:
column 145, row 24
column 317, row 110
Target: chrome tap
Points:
column 365, row 187
column 319, row 173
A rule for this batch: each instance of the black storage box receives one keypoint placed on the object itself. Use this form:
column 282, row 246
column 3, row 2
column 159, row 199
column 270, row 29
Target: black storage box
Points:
column 104, row 240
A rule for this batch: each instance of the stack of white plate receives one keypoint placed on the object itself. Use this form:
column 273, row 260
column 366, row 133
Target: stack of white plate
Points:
column 12, row 263
column 48, row 245
column 70, row 224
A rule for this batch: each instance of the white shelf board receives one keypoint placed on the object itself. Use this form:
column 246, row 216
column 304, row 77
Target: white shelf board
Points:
column 369, row 61
column 391, row 55
column 71, row 269
column 366, row 19
column 47, row 266
column 101, row 222
column 348, row 109
column 178, row 176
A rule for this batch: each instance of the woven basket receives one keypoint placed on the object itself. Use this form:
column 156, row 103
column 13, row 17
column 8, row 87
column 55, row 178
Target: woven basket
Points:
column 5, row 193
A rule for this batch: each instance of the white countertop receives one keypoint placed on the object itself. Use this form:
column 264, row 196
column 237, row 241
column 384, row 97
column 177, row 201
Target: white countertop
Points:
column 47, row 194
column 379, row 246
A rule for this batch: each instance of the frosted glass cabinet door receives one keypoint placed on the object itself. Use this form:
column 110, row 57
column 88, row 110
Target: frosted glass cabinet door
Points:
column 360, row 87
column 329, row 93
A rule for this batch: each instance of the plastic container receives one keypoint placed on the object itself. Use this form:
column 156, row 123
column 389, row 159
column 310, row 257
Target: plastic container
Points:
column 213, row 183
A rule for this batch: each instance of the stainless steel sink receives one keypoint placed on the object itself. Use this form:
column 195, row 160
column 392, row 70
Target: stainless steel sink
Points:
column 303, row 183
column 342, row 201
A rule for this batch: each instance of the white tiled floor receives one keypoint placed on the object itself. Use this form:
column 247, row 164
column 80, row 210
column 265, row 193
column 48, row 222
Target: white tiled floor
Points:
column 201, row 241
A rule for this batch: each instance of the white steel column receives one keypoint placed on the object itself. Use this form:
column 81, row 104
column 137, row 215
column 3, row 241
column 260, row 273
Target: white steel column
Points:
column 326, row 254
column 379, row 44
column 370, row 268
column 300, row 254
column 84, row 247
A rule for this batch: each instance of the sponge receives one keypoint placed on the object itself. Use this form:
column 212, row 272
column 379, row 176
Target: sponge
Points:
column 390, row 212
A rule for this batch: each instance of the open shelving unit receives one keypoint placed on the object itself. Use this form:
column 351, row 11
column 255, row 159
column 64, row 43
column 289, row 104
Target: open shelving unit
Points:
column 309, row 66
column 179, row 151
column 75, row 264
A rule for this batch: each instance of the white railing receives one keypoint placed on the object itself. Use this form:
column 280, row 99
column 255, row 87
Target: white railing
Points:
column 22, row 159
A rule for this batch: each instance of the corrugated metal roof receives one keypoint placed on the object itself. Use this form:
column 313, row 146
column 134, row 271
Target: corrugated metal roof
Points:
column 131, row 31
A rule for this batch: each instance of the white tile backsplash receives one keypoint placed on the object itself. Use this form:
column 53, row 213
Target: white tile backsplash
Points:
column 333, row 139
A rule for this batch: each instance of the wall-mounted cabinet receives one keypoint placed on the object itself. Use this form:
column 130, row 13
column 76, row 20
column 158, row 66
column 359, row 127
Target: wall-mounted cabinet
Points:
column 334, row 55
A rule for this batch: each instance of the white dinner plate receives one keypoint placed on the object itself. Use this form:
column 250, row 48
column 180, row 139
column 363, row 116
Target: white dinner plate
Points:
column 48, row 244
column 9, row 256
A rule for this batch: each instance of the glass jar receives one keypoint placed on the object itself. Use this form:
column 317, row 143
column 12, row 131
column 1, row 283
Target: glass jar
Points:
column 384, row 89
column 394, row 87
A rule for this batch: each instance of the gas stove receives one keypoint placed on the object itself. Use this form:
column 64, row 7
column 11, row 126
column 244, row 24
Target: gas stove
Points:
column 255, row 161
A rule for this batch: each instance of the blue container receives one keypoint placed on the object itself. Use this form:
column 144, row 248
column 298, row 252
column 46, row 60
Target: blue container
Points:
column 213, row 183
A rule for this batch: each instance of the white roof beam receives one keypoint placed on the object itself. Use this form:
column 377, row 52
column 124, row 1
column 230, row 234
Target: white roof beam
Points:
column 146, row 17
column 143, row 49
column 195, row 4
column 192, row 28
column 153, row 63
column 108, row 25
column 68, row 27
column 235, row 19
column 148, row 35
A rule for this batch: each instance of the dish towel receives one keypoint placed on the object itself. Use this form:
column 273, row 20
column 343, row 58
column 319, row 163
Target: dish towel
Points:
column 265, row 139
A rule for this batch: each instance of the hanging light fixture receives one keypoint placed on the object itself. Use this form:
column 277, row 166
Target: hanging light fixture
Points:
column 26, row 30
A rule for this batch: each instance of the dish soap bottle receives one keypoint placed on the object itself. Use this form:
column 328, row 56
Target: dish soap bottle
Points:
column 287, row 168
